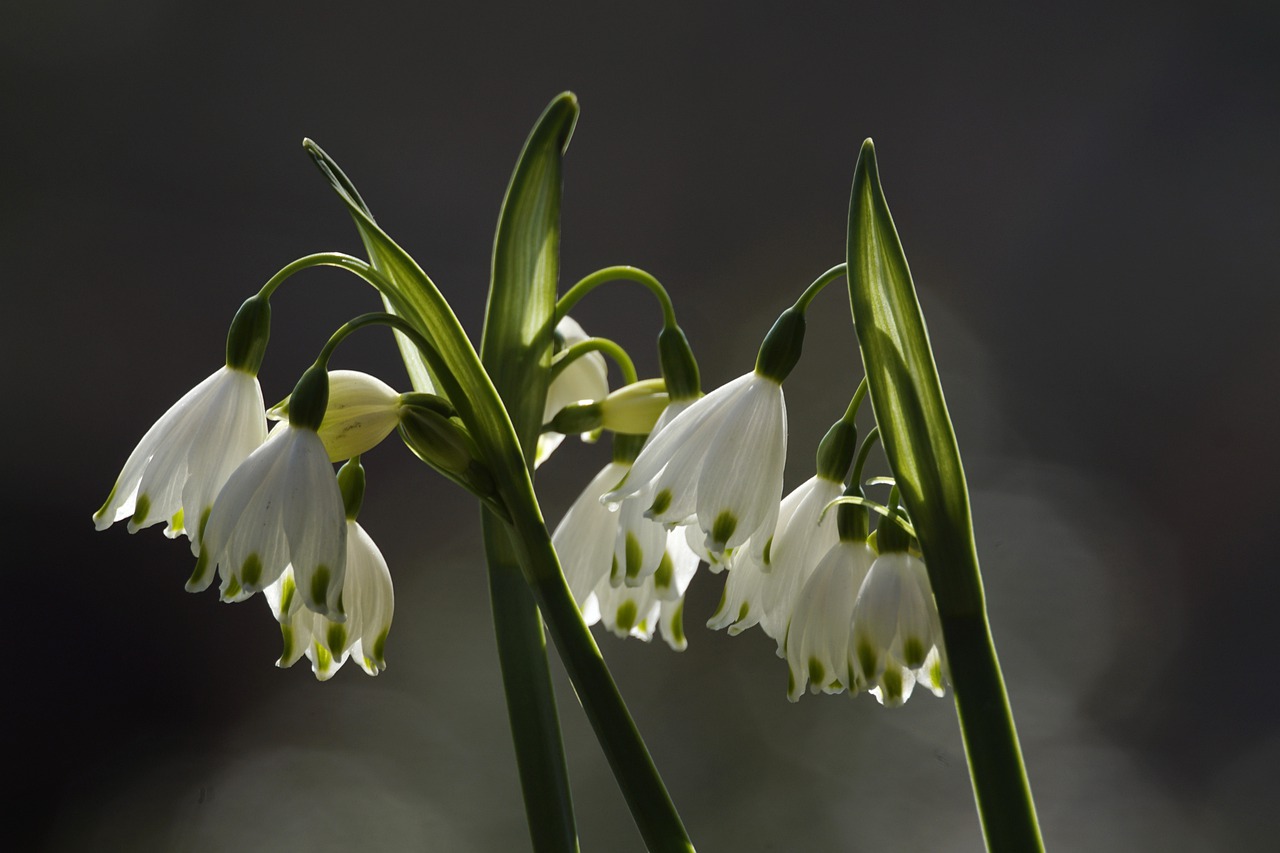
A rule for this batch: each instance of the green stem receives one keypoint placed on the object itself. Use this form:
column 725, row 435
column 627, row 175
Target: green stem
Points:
column 802, row 304
column 604, row 345
column 322, row 259
column 618, row 273
column 996, row 768
column 651, row 806
column 526, row 681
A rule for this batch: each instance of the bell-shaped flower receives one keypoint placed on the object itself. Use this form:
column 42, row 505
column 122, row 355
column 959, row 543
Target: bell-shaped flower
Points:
column 181, row 463
column 817, row 636
column 656, row 604
column 896, row 636
column 803, row 537
column 721, row 460
column 369, row 602
column 641, row 542
column 740, row 603
column 281, row 507
column 584, row 537
column 585, row 380
column 361, row 412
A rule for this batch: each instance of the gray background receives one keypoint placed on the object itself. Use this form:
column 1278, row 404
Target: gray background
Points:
column 1087, row 197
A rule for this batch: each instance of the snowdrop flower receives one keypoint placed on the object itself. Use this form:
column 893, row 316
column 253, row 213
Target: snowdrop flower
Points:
column 804, row 536
column 720, row 460
column 896, row 638
column 584, row 380
column 182, row 462
column 362, row 411
column 281, row 507
column 641, row 543
column 368, row 600
column 584, row 538
column 656, row 604
column 817, row 637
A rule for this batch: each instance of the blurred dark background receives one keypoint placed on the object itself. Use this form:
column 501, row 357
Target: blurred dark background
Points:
column 1087, row 194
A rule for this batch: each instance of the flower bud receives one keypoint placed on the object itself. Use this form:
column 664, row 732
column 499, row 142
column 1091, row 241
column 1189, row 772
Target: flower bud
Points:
column 361, row 412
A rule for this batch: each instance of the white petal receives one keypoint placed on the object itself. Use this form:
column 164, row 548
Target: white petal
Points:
column 817, row 638
column 638, row 547
column 368, row 599
column 584, row 538
column 741, row 476
column 316, row 525
column 798, row 544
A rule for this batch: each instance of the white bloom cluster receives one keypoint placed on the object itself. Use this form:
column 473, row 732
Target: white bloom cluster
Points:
column 266, row 512
column 707, row 485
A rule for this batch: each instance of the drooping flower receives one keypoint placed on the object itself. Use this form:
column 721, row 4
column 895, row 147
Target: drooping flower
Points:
column 804, row 536
column 641, row 543
column 281, row 507
column 369, row 602
column 586, row 379
column 584, row 537
column 361, row 412
column 817, row 637
column 655, row 604
column 721, row 460
column 181, row 463
column 896, row 639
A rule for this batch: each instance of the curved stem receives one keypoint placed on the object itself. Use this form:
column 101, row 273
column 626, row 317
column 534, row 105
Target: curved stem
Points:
column 380, row 318
column 619, row 273
column 851, row 413
column 321, row 259
column 868, row 443
column 603, row 345
column 820, row 282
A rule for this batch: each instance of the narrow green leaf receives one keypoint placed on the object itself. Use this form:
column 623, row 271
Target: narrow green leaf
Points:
column 920, row 443
column 411, row 294
column 520, row 319
column 390, row 264
column 906, row 393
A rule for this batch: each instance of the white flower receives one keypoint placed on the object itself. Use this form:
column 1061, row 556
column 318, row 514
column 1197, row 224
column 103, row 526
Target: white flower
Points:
column 361, row 412
column 817, row 638
column 641, row 543
column 584, row 537
column 896, row 637
column 181, row 463
column 369, row 602
column 763, row 589
column 721, row 459
column 804, row 536
column 656, row 604
column 586, row 380
column 281, row 507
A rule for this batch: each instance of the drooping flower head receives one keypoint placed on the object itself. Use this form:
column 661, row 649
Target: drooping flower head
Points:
column 656, row 604
column 896, row 639
column 584, row 537
column 183, row 460
column 361, row 412
column 367, row 596
column 719, row 461
column 281, row 507
column 817, row 636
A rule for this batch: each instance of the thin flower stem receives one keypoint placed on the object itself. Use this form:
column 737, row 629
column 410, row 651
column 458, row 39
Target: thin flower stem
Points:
column 851, row 413
column 618, row 273
column 867, row 444
column 322, row 259
column 604, row 345
column 802, row 304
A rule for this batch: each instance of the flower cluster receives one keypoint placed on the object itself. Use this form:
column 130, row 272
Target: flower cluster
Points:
column 706, row 485
column 265, row 511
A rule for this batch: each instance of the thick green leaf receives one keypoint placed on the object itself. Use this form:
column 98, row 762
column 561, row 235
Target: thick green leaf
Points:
column 520, row 319
column 906, row 393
